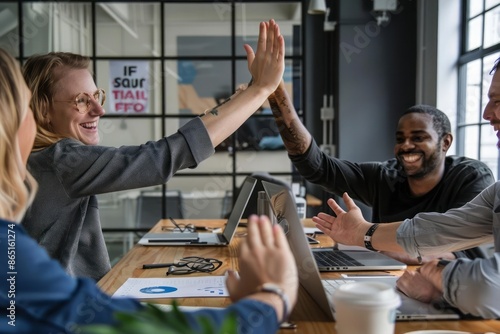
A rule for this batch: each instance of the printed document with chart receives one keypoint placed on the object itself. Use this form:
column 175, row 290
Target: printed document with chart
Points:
column 175, row 287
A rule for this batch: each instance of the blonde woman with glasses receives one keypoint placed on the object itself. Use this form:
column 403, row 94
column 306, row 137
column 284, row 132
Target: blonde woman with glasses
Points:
column 38, row 296
column 71, row 168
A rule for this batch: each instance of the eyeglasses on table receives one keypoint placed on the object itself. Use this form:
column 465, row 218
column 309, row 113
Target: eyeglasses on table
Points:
column 192, row 264
column 185, row 227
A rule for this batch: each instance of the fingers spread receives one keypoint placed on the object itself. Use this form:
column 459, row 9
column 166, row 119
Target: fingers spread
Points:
column 348, row 202
column 322, row 223
column 335, row 207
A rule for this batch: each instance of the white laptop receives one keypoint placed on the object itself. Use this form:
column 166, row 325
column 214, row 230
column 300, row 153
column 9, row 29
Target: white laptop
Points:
column 321, row 291
column 206, row 239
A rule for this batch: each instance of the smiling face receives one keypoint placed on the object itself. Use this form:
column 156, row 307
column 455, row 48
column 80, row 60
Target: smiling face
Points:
column 63, row 115
column 418, row 147
column 492, row 110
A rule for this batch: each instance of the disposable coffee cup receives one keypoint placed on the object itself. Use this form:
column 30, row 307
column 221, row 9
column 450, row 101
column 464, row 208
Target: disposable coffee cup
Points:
column 365, row 308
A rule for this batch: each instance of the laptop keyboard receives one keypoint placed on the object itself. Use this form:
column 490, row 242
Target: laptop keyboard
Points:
column 332, row 259
column 331, row 285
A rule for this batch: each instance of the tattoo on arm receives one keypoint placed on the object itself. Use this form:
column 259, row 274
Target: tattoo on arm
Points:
column 296, row 142
column 214, row 110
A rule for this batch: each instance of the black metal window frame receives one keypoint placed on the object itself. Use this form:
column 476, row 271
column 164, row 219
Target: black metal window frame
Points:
column 466, row 57
column 163, row 116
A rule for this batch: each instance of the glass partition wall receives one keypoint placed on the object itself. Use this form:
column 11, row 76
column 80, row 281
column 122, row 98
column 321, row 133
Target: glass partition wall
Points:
column 162, row 63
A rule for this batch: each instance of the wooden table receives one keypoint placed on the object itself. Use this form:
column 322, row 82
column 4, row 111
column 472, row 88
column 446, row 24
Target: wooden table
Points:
column 306, row 314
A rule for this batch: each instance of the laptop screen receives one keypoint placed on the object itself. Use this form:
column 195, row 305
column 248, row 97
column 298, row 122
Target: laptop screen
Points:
column 239, row 206
column 283, row 204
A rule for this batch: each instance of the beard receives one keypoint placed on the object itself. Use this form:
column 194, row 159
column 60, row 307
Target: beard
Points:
column 429, row 164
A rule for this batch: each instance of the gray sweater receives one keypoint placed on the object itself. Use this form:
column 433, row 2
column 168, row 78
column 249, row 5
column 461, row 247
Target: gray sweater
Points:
column 473, row 286
column 64, row 218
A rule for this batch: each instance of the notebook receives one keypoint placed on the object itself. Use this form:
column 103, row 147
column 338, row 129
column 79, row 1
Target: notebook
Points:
column 206, row 239
column 282, row 201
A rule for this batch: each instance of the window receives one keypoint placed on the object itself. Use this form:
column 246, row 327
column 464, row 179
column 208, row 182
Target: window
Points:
column 187, row 56
column 480, row 49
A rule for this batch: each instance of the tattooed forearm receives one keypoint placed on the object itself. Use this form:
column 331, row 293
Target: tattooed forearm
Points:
column 294, row 135
column 296, row 141
column 276, row 111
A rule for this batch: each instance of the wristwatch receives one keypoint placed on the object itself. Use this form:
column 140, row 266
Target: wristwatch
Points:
column 273, row 288
column 368, row 237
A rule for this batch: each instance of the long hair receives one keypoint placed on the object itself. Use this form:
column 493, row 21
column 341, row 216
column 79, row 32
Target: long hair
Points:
column 42, row 72
column 17, row 186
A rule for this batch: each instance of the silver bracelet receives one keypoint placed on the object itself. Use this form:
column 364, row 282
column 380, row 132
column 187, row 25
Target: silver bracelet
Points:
column 273, row 288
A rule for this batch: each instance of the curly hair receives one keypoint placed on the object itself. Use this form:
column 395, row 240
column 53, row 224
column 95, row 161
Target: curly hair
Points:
column 440, row 122
column 17, row 186
column 42, row 72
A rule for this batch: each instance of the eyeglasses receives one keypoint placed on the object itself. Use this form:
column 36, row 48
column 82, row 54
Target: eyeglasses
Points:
column 179, row 227
column 82, row 100
column 191, row 264
column 182, row 228
column 185, row 227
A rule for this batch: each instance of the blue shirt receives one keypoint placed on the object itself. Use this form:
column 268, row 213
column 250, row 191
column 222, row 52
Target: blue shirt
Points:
column 38, row 296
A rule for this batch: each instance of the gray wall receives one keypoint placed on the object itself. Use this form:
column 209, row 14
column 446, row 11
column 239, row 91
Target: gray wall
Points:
column 376, row 78
column 373, row 74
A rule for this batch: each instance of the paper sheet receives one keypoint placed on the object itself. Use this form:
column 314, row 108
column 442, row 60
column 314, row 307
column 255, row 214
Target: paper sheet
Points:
column 175, row 287
column 311, row 230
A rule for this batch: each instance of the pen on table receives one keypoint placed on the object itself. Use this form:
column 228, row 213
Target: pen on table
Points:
column 156, row 265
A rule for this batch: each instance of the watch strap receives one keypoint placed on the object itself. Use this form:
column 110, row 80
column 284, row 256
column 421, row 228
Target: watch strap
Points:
column 368, row 237
column 273, row 288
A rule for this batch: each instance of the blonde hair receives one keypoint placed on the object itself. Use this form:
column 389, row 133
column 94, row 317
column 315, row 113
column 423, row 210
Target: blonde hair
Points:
column 42, row 72
column 17, row 186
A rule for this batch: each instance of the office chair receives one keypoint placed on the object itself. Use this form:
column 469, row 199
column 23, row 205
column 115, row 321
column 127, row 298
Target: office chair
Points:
column 149, row 209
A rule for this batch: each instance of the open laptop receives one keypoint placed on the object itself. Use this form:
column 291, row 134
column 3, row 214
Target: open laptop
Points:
column 333, row 259
column 206, row 239
column 282, row 202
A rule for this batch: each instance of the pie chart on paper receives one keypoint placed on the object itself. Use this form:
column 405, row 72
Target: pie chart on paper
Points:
column 158, row 289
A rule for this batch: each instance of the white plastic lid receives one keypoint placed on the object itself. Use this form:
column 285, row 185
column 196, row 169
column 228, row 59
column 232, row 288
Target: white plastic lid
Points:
column 367, row 294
